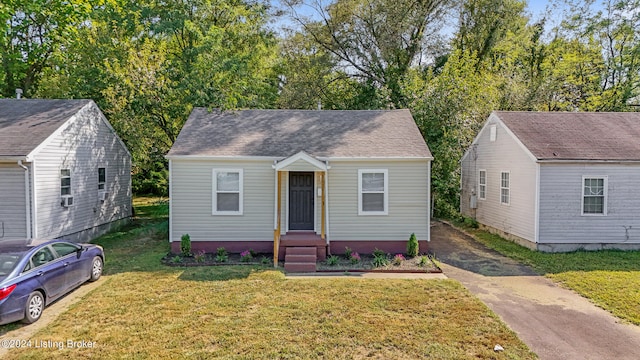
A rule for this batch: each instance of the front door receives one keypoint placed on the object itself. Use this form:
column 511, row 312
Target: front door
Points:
column 300, row 201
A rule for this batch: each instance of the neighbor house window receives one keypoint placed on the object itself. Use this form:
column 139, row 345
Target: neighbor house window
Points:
column 373, row 192
column 594, row 195
column 65, row 182
column 504, row 187
column 482, row 184
column 102, row 178
column 227, row 191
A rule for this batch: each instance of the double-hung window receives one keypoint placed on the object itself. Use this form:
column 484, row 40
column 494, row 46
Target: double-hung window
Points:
column 373, row 192
column 65, row 182
column 227, row 191
column 594, row 195
column 102, row 178
column 482, row 184
column 505, row 182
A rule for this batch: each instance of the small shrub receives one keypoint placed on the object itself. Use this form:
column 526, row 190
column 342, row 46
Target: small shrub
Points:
column 380, row 261
column 424, row 261
column 347, row 252
column 398, row 259
column 265, row 260
column 245, row 256
column 185, row 245
column 470, row 222
column 199, row 256
column 253, row 253
column 221, row 251
column 332, row 260
column 176, row 259
column 412, row 246
column 355, row 257
column 379, row 253
column 221, row 255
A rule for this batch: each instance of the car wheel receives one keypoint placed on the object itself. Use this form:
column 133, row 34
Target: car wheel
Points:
column 96, row 268
column 34, row 308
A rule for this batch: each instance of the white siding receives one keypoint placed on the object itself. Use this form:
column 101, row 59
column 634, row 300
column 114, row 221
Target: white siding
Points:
column 84, row 145
column 504, row 154
column 13, row 210
column 191, row 202
column 561, row 219
column 408, row 202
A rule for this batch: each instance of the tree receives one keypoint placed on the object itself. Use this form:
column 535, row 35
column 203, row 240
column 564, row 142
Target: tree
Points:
column 616, row 28
column 377, row 42
column 30, row 32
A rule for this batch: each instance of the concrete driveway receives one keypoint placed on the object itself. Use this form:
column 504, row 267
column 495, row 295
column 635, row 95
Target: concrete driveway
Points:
column 555, row 323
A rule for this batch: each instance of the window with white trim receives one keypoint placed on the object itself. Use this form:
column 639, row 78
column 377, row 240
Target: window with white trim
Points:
column 65, row 182
column 505, row 183
column 594, row 195
column 482, row 184
column 227, row 191
column 102, row 178
column 373, row 192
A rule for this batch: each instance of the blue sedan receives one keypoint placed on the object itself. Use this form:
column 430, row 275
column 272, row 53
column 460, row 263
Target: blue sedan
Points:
column 35, row 273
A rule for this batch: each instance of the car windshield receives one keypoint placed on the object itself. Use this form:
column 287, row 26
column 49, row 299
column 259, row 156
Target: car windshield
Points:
column 8, row 262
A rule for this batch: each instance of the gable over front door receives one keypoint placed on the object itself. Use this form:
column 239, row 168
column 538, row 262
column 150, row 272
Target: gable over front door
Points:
column 301, row 214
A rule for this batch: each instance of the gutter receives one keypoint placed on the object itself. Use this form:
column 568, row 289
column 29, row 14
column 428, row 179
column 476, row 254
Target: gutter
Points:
column 27, row 199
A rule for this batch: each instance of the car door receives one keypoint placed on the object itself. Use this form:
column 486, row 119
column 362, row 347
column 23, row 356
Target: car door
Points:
column 75, row 273
column 49, row 272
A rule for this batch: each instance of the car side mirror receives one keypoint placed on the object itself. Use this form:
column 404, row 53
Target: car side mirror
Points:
column 79, row 251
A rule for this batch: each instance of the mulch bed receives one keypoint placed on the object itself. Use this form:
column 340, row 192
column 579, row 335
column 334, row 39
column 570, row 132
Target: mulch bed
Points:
column 409, row 265
column 210, row 260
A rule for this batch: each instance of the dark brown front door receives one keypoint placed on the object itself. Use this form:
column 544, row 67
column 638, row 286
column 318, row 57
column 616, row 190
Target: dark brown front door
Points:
column 300, row 201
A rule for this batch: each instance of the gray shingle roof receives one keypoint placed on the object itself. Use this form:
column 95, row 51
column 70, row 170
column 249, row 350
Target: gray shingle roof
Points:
column 577, row 135
column 26, row 123
column 282, row 133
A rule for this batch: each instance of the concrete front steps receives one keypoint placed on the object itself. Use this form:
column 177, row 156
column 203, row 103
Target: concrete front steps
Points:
column 300, row 259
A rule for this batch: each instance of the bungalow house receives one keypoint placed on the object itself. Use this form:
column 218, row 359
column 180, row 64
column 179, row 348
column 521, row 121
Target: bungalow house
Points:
column 64, row 173
column 276, row 179
column 556, row 181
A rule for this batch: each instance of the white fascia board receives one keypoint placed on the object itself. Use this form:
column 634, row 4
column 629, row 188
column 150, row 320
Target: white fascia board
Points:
column 514, row 137
column 322, row 166
column 394, row 158
column 582, row 162
column 222, row 158
column 108, row 124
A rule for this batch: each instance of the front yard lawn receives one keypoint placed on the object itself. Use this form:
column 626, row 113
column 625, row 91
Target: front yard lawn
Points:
column 609, row 278
column 145, row 310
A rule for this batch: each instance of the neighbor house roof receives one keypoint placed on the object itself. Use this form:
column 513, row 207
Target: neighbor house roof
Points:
column 26, row 123
column 282, row 133
column 576, row 135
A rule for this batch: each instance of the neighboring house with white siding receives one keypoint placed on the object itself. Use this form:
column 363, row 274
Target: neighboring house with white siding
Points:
column 273, row 179
column 556, row 181
column 64, row 173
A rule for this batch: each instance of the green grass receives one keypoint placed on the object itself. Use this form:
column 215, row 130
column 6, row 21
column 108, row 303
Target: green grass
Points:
column 609, row 278
column 145, row 310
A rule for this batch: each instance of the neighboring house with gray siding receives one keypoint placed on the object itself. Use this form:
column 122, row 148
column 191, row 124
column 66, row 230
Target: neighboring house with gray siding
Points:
column 556, row 181
column 273, row 179
column 64, row 173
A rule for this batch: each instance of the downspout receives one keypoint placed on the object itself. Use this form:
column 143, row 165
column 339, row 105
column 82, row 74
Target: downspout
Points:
column 27, row 198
